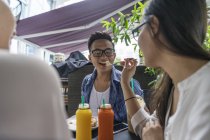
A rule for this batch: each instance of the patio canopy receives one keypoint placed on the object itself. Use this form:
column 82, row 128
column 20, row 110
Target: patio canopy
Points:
column 67, row 29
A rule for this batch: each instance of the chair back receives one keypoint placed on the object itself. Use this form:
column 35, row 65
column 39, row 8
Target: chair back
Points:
column 74, row 91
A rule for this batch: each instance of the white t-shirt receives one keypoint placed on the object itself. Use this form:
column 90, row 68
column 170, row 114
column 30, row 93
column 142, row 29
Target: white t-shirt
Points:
column 96, row 99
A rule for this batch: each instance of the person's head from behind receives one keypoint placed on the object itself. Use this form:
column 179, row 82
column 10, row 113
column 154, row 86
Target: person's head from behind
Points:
column 177, row 27
column 7, row 25
column 101, row 49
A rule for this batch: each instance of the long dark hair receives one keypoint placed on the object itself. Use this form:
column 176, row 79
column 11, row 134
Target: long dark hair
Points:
column 183, row 23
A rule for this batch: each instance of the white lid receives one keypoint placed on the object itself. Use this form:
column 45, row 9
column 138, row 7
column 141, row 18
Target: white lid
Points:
column 86, row 106
column 106, row 106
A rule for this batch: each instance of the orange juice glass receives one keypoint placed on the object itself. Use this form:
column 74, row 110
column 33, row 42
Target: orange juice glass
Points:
column 83, row 122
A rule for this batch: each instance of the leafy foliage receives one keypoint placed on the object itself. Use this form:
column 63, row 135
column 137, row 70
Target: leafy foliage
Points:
column 123, row 26
column 206, row 44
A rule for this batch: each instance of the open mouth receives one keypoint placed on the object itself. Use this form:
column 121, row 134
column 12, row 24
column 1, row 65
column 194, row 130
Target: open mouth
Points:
column 106, row 63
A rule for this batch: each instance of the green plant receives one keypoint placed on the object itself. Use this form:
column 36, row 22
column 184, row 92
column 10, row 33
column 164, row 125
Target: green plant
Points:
column 206, row 44
column 117, row 61
column 122, row 27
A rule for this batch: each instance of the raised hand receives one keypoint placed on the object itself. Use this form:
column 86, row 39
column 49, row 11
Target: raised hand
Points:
column 129, row 69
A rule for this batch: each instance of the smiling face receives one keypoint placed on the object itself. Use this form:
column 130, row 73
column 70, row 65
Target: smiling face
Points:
column 103, row 62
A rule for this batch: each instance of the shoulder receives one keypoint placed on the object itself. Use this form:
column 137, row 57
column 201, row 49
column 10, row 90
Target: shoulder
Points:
column 21, row 61
column 116, row 74
column 198, row 90
column 200, row 81
column 27, row 67
column 116, row 69
column 88, row 77
column 29, row 76
column 87, row 81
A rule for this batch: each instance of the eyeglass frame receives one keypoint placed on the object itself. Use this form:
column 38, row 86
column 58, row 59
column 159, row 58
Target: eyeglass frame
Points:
column 137, row 29
column 103, row 52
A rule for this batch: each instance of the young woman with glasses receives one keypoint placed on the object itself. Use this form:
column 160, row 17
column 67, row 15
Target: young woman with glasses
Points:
column 104, row 82
column 171, row 38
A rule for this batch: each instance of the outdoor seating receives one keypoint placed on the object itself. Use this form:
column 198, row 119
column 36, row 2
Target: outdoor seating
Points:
column 75, row 80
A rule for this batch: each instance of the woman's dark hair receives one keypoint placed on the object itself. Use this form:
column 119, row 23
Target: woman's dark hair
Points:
column 97, row 36
column 183, row 23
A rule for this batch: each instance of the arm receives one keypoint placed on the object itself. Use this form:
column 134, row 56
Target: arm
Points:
column 84, row 88
column 139, row 115
column 120, row 109
column 127, row 73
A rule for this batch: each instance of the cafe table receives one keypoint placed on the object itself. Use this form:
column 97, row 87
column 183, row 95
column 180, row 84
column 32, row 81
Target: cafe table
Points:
column 123, row 135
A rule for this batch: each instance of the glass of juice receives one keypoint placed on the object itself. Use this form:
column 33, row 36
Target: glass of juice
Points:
column 83, row 122
column 105, row 122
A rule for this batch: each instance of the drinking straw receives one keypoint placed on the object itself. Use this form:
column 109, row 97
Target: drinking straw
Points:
column 132, row 84
column 83, row 101
column 103, row 102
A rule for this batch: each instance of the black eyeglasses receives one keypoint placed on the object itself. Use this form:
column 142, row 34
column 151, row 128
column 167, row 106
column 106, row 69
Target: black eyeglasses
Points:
column 98, row 52
column 137, row 30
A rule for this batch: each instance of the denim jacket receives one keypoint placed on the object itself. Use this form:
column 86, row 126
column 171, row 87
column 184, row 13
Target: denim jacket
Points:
column 116, row 98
